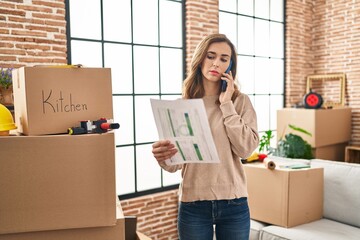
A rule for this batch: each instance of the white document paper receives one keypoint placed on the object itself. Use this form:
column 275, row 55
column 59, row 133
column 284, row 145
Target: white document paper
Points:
column 185, row 124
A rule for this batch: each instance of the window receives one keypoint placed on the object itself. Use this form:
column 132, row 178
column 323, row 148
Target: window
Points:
column 142, row 42
column 256, row 27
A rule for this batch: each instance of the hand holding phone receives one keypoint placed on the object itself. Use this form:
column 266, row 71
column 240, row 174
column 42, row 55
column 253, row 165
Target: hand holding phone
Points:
column 223, row 82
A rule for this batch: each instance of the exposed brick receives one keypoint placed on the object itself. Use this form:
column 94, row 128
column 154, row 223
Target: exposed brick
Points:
column 35, row 60
column 51, row 4
column 13, row 1
column 33, row 46
column 55, row 23
column 28, row 33
column 34, row 8
column 47, row 41
column 49, row 16
column 12, row 12
column 5, row 58
column 7, row 4
column 4, row 31
column 10, row 25
column 6, row 45
column 12, row 52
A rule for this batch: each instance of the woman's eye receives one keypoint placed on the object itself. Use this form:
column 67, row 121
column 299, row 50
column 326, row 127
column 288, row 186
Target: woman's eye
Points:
column 210, row 57
column 224, row 60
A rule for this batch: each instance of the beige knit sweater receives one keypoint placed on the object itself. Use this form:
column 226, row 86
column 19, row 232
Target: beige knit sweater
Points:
column 234, row 129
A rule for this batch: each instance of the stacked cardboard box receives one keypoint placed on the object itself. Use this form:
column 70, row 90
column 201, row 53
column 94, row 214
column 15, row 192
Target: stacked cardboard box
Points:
column 330, row 129
column 59, row 186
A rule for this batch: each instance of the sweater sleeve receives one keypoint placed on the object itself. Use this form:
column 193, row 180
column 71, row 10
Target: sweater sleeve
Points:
column 170, row 168
column 241, row 125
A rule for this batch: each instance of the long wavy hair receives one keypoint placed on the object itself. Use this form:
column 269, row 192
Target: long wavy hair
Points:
column 193, row 84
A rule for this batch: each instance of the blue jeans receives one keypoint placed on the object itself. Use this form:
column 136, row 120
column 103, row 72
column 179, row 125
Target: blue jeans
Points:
column 230, row 217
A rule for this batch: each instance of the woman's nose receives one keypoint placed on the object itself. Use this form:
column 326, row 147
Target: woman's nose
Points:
column 216, row 63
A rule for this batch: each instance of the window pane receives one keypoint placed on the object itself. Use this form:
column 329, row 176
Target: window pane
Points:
column 170, row 24
column 277, row 102
column 171, row 70
column 227, row 5
column 146, row 69
column 117, row 20
column 277, row 39
column 123, row 114
column 119, row 58
column 246, row 35
column 262, row 106
column 148, row 171
column 171, row 178
column 262, row 9
column 85, row 20
column 145, row 16
column 125, row 170
column 246, row 74
column 276, row 76
column 245, row 7
column 262, row 72
column 260, row 46
column 227, row 26
column 262, row 40
column 277, row 10
column 86, row 53
column 142, row 42
column 144, row 121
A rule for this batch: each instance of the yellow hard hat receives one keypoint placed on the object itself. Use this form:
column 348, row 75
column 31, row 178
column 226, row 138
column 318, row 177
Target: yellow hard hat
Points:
column 6, row 119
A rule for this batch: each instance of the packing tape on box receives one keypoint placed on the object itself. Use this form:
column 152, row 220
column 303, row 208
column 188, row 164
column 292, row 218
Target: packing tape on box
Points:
column 269, row 164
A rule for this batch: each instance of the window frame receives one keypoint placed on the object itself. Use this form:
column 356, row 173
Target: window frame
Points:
column 254, row 56
column 133, row 95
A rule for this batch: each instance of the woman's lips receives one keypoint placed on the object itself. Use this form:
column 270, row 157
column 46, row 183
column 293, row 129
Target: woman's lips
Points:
column 215, row 73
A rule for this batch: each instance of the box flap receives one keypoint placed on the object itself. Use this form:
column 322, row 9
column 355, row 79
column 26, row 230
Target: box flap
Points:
column 141, row 236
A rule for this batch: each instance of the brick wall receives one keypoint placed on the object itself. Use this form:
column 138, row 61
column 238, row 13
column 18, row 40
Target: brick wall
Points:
column 324, row 37
column 299, row 57
column 32, row 32
column 156, row 214
column 202, row 19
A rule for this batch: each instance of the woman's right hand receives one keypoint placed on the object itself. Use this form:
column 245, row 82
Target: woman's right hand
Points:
column 163, row 150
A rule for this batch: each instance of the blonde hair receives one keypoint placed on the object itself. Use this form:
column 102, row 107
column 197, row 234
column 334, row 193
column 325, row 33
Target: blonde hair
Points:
column 193, row 87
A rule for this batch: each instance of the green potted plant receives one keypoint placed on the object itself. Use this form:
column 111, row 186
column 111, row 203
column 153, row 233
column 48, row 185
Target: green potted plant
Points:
column 290, row 145
column 6, row 92
column 264, row 143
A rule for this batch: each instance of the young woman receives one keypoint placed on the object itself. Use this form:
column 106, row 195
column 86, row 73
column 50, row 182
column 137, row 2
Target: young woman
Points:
column 215, row 194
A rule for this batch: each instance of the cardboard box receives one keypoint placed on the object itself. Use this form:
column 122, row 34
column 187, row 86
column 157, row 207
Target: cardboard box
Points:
column 352, row 154
column 327, row 126
column 285, row 197
column 130, row 227
column 49, row 100
column 141, row 236
column 116, row 232
column 57, row 182
column 335, row 152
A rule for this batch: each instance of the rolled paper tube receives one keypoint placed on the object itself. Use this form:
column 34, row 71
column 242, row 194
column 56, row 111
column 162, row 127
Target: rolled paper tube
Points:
column 269, row 164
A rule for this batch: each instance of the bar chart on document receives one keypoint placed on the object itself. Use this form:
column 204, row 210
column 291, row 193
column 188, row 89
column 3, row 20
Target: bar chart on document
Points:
column 185, row 124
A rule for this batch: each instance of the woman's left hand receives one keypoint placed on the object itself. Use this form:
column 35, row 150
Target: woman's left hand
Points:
column 226, row 96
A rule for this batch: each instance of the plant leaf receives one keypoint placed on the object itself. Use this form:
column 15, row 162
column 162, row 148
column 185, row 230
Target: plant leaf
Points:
column 293, row 127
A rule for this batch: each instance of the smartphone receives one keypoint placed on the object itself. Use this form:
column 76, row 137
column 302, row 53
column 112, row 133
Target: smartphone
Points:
column 223, row 82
